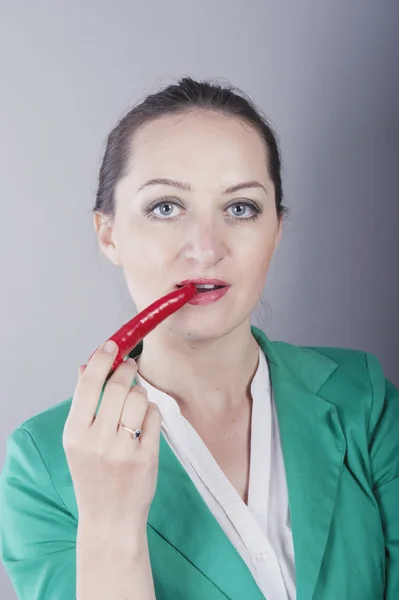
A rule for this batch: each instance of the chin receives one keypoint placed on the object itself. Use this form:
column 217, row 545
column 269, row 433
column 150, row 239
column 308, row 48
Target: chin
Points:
column 202, row 329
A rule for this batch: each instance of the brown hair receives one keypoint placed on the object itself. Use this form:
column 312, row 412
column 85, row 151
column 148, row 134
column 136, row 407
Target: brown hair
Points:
column 185, row 96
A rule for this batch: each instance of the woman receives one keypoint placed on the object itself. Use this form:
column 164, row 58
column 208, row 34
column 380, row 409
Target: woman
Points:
column 235, row 467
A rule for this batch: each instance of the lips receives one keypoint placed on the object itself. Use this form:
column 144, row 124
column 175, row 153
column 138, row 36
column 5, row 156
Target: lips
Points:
column 200, row 283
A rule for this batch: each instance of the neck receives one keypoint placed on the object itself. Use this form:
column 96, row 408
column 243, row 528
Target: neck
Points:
column 208, row 376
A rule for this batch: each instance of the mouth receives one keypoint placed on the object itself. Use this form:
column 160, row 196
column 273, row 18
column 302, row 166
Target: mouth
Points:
column 205, row 286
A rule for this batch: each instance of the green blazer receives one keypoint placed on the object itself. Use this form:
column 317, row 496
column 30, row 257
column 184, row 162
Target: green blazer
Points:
column 339, row 425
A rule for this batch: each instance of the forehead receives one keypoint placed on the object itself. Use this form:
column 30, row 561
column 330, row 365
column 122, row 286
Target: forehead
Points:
column 199, row 143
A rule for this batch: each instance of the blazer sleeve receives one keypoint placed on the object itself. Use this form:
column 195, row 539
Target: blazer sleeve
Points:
column 37, row 532
column 384, row 456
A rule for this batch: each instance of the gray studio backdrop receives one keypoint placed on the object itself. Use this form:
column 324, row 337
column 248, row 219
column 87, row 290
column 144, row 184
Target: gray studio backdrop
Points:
column 327, row 75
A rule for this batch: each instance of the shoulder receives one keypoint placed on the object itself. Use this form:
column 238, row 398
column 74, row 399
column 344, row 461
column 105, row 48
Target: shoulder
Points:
column 355, row 367
column 321, row 366
column 49, row 422
column 39, row 438
column 349, row 379
column 35, row 470
column 357, row 372
column 358, row 386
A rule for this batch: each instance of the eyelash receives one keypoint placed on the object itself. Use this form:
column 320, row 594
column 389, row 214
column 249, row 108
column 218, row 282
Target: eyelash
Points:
column 151, row 217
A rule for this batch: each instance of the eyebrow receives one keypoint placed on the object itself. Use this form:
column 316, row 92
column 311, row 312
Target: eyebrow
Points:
column 186, row 187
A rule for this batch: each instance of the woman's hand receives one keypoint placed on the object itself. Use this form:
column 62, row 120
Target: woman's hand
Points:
column 114, row 475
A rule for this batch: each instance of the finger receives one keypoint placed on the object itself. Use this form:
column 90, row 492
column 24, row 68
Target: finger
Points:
column 114, row 398
column 89, row 387
column 151, row 437
column 133, row 412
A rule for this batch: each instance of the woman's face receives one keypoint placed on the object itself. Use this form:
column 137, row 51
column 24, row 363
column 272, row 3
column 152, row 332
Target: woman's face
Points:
column 197, row 229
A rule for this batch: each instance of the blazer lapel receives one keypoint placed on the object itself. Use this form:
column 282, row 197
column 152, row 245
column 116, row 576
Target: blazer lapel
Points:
column 313, row 448
column 180, row 515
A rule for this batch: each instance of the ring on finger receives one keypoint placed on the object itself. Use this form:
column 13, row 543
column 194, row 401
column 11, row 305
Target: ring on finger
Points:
column 134, row 434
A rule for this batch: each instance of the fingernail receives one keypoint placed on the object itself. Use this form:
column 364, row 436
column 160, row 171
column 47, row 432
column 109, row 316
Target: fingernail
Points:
column 131, row 361
column 110, row 347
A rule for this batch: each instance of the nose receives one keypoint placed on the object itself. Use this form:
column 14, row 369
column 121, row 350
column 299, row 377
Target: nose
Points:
column 204, row 244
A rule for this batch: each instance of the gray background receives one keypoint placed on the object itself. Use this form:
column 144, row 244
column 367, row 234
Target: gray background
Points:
column 327, row 75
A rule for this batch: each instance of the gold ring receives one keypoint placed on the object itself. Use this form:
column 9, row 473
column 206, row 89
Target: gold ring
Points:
column 134, row 434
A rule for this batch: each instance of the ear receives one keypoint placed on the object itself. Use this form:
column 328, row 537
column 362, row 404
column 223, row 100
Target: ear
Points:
column 278, row 235
column 105, row 236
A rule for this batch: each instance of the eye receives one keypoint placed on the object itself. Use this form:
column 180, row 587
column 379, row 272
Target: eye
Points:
column 167, row 215
column 243, row 206
column 166, row 209
column 164, row 214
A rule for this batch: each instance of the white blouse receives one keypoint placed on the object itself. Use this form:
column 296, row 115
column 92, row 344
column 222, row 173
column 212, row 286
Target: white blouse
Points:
column 260, row 531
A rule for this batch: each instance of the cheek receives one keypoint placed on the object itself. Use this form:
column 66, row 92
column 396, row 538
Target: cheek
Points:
column 257, row 264
column 145, row 247
column 260, row 252
column 147, row 266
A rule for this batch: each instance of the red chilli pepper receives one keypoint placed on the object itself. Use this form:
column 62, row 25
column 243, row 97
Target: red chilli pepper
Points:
column 130, row 334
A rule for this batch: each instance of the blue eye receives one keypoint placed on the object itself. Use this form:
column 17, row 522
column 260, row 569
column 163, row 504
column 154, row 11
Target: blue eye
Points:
column 256, row 211
column 168, row 203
